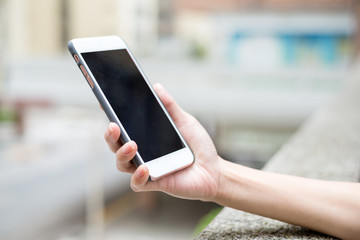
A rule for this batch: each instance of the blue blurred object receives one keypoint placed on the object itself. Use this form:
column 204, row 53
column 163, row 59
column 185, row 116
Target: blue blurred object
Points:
column 234, row 46
column 289, row 48
column 328, row 46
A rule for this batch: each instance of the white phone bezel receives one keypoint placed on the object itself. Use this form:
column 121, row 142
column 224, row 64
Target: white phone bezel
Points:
column 158, row 167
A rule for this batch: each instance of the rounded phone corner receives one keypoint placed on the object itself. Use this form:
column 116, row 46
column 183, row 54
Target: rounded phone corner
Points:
column 71, row 47
column 169, row 164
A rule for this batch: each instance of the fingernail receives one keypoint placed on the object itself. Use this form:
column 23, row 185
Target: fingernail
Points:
column 158, row 86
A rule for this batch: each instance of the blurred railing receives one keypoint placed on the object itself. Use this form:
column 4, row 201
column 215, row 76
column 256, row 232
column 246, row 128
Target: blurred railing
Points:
column 325, row 147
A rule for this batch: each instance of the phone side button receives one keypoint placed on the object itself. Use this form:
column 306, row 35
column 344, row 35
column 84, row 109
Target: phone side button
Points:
column 91, row 83
column 76, row 57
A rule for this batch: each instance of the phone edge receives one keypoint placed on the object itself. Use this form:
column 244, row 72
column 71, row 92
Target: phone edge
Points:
column 137, row 160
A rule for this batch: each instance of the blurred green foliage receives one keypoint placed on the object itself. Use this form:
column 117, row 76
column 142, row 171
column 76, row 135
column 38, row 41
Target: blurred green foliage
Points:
column 198, row 51
column 204, row 221
column 7, row 114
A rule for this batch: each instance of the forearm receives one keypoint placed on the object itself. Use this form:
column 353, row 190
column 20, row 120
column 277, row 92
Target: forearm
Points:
column 328, row 207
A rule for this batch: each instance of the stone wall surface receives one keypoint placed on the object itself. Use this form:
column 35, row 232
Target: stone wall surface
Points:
column 327, row 146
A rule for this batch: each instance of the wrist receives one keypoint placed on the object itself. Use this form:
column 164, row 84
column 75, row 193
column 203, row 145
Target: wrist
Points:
column 225, row 182
column 236, row 183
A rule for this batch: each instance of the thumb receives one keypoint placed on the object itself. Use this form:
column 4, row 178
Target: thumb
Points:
column 169, row 103
column 139, row 180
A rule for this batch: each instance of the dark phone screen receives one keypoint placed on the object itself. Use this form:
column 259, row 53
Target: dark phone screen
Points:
column 133, row 102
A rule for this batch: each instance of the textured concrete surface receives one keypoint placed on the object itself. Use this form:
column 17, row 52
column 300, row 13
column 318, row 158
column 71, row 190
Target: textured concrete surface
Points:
column 327, row 146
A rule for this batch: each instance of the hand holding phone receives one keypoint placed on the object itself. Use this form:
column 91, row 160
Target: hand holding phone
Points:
column 128, row 99
column 198, row 181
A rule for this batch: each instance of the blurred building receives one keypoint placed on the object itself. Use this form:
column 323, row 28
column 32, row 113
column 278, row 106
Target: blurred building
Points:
column 269, row 33
column 136, row 20
column 33, row 27
column 44, row 26
column 36, row 27
column 285, row 5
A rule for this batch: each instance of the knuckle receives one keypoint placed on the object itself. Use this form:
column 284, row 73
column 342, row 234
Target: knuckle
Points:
column 119, row 166
column 119, row 156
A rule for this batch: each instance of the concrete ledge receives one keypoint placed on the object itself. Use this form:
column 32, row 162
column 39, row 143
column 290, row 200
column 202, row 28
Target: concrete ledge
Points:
column 327, row 147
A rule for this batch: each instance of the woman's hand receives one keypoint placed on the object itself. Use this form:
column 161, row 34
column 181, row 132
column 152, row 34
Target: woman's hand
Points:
column 198, row 181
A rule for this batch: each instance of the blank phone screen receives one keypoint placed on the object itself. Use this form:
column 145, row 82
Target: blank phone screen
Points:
column 134, row 103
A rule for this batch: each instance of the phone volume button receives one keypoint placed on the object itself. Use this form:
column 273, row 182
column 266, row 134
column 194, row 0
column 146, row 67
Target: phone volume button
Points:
column 91, row 83
column 86, row 75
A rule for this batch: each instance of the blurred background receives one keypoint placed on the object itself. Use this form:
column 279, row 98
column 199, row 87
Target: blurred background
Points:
column 250, row 70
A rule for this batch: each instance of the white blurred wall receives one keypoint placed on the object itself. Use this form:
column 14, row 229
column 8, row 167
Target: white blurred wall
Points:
column 135, row 21
column 33, row 27
column 42, row 27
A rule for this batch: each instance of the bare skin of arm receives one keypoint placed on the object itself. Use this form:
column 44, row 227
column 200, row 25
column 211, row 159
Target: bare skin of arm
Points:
column 325, row 206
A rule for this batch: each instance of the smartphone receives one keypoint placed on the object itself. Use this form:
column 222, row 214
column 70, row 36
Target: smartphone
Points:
column 129, row 100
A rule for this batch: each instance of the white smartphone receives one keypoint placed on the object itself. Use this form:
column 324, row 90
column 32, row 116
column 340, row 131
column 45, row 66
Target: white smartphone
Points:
column 128, row 99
